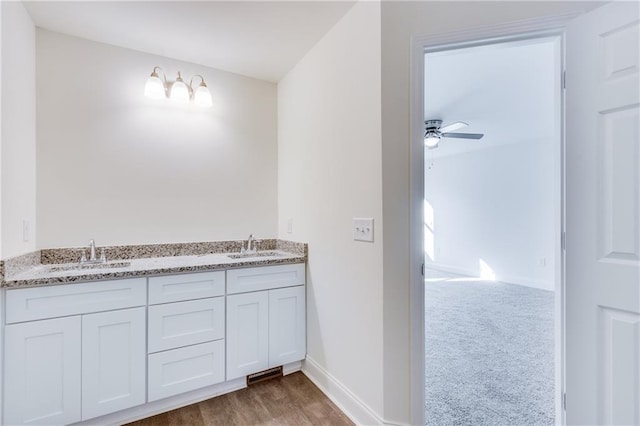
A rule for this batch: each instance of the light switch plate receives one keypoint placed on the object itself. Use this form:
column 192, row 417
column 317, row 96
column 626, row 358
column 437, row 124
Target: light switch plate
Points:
column 363, row 229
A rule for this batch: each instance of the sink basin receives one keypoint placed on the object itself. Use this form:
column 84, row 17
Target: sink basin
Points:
column 81, row 267
column 256, row 254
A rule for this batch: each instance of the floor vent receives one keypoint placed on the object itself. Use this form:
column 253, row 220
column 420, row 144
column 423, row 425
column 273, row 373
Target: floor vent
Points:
column 271, row 373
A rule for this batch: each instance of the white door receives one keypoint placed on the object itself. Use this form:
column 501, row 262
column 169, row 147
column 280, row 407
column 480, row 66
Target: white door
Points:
column 247, row 333
column 602, row 216
column 113, row 361
column 42, row 372
column 287, row 325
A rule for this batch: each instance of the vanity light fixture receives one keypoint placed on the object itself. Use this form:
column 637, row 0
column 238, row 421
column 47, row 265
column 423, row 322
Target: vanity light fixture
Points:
column 177, row 91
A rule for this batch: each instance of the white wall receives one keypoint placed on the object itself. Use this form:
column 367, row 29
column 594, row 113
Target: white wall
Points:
column 329, row 166
column 124, row 169
column 18, row 147
column 496, row 205
column 400, row 22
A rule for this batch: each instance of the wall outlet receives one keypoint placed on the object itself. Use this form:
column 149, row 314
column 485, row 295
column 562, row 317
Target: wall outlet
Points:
column 542, row 262
column 25, row 230
column 363, row 229
column 290, row 225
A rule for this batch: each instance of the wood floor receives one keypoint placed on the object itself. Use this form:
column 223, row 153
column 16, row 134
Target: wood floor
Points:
column 289, row 400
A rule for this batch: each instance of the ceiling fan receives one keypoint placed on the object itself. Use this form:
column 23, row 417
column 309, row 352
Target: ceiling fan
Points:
column 434, row 131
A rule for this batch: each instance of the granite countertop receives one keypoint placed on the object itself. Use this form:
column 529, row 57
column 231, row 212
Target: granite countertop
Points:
column 57, row 267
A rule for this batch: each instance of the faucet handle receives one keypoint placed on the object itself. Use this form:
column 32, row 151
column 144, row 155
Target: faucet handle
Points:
column 83, row 257
column 103, row 256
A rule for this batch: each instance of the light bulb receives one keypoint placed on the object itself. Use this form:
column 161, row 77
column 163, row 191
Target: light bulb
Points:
column 179, row 91
column 202, row 96
column 431, row 140
column 154, row 87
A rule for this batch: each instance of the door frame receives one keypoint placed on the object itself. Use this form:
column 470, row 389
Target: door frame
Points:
column 549, row 26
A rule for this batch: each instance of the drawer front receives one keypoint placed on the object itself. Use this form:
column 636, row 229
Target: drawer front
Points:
column 185, row 369
column 71, row 299
column 173, row 325
column 265, row 278
column 175, row 288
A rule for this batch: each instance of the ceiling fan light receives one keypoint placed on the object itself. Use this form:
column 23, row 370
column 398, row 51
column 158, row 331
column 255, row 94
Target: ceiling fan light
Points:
column 179, row 91
column 431, row 140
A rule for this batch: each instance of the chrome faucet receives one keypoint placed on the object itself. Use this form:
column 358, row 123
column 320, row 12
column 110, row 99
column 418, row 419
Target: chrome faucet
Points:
column 92, row 250
column 250, row 244
column 92, row 254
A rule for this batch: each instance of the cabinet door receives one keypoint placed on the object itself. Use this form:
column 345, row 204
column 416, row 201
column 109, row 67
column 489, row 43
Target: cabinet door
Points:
column 42, row 372
column 247, row 333
column 287, row 326
column 113, row 361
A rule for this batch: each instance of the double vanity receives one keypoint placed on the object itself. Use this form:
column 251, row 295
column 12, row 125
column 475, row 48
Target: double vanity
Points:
column 142, row 335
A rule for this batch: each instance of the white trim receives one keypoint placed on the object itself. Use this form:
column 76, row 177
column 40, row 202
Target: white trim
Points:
column 510, row 31
column 291, row 368
column 416, row 234
column 162, row 406
column 354, row 408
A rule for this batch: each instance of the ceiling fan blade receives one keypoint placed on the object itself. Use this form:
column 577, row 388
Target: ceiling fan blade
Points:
column 453, row 126
column 463, row 135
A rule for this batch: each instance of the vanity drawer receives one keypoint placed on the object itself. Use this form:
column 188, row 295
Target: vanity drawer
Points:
column 175, row 288
column 185, row 369
column 173, row 325
column 265, row 278
column 30, row 304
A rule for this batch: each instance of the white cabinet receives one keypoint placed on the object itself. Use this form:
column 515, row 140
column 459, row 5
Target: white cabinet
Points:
column 184, row 369
column 113, row 361
column 174, row 288
column 78, row 352
column 287, row 330
column 63, row 370
column 28, row 304
column 186, row 341
column 265, row 328
column 42, row 372
column 173, row 325
column 247, row 333
column 265, row 277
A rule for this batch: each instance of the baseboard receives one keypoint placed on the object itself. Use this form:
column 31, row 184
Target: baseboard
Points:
column 291, row 368
column 178, row 401
column 162, row 406
column 523, row 281
column 339, row 394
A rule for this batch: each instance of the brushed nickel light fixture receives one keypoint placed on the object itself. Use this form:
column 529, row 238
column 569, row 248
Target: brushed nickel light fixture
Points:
column 177, row 91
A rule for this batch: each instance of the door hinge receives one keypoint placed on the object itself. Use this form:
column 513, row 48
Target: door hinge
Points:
column 564, row 401
column 563, row 240
column 564, row 79
column 422, row 269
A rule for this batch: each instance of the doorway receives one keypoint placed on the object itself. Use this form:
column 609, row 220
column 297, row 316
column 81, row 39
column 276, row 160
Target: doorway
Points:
column 492, row 233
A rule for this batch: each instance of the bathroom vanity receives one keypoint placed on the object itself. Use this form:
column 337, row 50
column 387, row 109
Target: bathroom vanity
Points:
column 119, row 349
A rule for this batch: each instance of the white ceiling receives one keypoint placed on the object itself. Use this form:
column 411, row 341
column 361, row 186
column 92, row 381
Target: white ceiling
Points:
column 506, row 91
column 262, row 39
